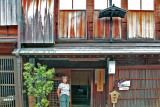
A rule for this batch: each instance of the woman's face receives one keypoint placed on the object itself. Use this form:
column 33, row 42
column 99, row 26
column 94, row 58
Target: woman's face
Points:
column 65, row 80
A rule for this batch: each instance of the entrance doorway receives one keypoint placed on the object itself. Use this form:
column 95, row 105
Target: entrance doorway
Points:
column 81, row 88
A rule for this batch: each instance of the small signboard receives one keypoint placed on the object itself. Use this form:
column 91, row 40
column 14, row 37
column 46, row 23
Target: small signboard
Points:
column 126, row 83
column 114, row 96
column 100, row 76
column 123, row 88
column 111, row 67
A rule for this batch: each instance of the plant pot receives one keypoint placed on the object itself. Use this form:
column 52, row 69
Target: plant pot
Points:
column 31, row 100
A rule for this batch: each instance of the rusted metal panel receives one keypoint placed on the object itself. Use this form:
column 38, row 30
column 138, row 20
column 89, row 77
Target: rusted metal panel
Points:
column 38, row 18
column 141, row 24
column 8, row 12
column 101, row 27
column 72, row 24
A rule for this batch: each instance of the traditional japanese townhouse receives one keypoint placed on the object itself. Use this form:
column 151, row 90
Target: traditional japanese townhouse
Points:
column 69, row 36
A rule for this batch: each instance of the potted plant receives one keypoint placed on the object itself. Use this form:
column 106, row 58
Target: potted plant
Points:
column 38, row 83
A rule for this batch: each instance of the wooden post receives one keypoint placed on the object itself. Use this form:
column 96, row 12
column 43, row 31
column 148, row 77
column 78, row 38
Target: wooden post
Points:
column 110, row 81
column 31, row 100
column 18, row 81
column 113, row 104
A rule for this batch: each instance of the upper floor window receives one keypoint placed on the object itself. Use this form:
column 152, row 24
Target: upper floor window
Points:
column 72, row 5
column 102, row 4
column 140, row 4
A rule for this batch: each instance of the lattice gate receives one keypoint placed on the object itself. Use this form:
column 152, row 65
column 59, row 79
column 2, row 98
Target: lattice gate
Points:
column 7, row 84
column 145, row 86
column 54, row 98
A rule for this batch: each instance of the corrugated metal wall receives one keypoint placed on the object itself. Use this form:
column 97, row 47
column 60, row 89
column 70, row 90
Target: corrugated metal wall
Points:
column 145, row 86
column 7, row 82
column 8, row 12
column 38, row 21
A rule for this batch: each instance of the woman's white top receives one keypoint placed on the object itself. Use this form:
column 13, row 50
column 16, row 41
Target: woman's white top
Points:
column 64, row 88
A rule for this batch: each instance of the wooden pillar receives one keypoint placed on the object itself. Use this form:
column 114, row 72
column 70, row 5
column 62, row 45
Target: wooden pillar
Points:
column 31, row 100
column 110, row 81
column 124, row 5
column 18, row 81
column 157, row 19
column 90, row 12
column 56, row 7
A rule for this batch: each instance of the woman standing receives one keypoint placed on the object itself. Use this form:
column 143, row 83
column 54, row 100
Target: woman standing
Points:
column 63, row 92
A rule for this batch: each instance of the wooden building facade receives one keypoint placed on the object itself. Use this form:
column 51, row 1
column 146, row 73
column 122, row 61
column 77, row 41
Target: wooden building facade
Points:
column 69, row 36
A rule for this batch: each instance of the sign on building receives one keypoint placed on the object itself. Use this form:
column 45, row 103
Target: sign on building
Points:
column 114, row 96
column 100, row 78
column 111, row 67
column 124, row 85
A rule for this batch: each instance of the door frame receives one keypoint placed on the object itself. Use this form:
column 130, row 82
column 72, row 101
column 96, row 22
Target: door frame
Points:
column 92, row 74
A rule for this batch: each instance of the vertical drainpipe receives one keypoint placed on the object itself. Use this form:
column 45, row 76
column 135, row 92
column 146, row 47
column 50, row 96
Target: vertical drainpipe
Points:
column 111, row 24
column 18, row 58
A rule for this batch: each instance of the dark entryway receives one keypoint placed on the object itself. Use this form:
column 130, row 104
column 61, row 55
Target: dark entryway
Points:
column 80, row 88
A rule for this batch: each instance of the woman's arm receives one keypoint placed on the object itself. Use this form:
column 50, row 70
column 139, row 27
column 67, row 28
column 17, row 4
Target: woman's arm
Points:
column 58, row 92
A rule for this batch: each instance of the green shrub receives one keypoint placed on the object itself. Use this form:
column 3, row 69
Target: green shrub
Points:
column 38, row 83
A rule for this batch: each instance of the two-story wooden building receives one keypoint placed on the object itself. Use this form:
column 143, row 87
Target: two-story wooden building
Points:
column 69, row 36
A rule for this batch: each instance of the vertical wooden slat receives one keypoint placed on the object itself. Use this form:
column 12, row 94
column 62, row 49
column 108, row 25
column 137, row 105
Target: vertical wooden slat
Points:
column 8, row 9
column 72, row 24
column 141, row 24
column 157, row 18
column 124, row 5
column 89, row 13
column 9, row 18
column 98, row 26
column 0, row 11
column 38, row 21
column 142, row 93
column 101, row 28
column 14, row 12
column 51, row 21
column 3, row 12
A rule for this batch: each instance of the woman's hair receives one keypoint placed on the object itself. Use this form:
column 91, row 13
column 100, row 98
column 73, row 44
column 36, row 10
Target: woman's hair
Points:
column 64, row 77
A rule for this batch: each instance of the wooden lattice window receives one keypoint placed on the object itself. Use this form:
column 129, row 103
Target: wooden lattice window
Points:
column 144, row 90
column 7, row 82
column 54, row 98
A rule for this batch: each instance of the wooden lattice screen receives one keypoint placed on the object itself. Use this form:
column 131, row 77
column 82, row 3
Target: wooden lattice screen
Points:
column 7, row 84
column 145, row 86
column 54, row 98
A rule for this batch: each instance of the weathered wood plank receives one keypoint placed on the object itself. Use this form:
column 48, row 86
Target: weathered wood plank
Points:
column 89, row 14
column 38, row 21
column 141, row 24
column 72, row 24
column 157, row 18
column 101, row 28
column 8, row 12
